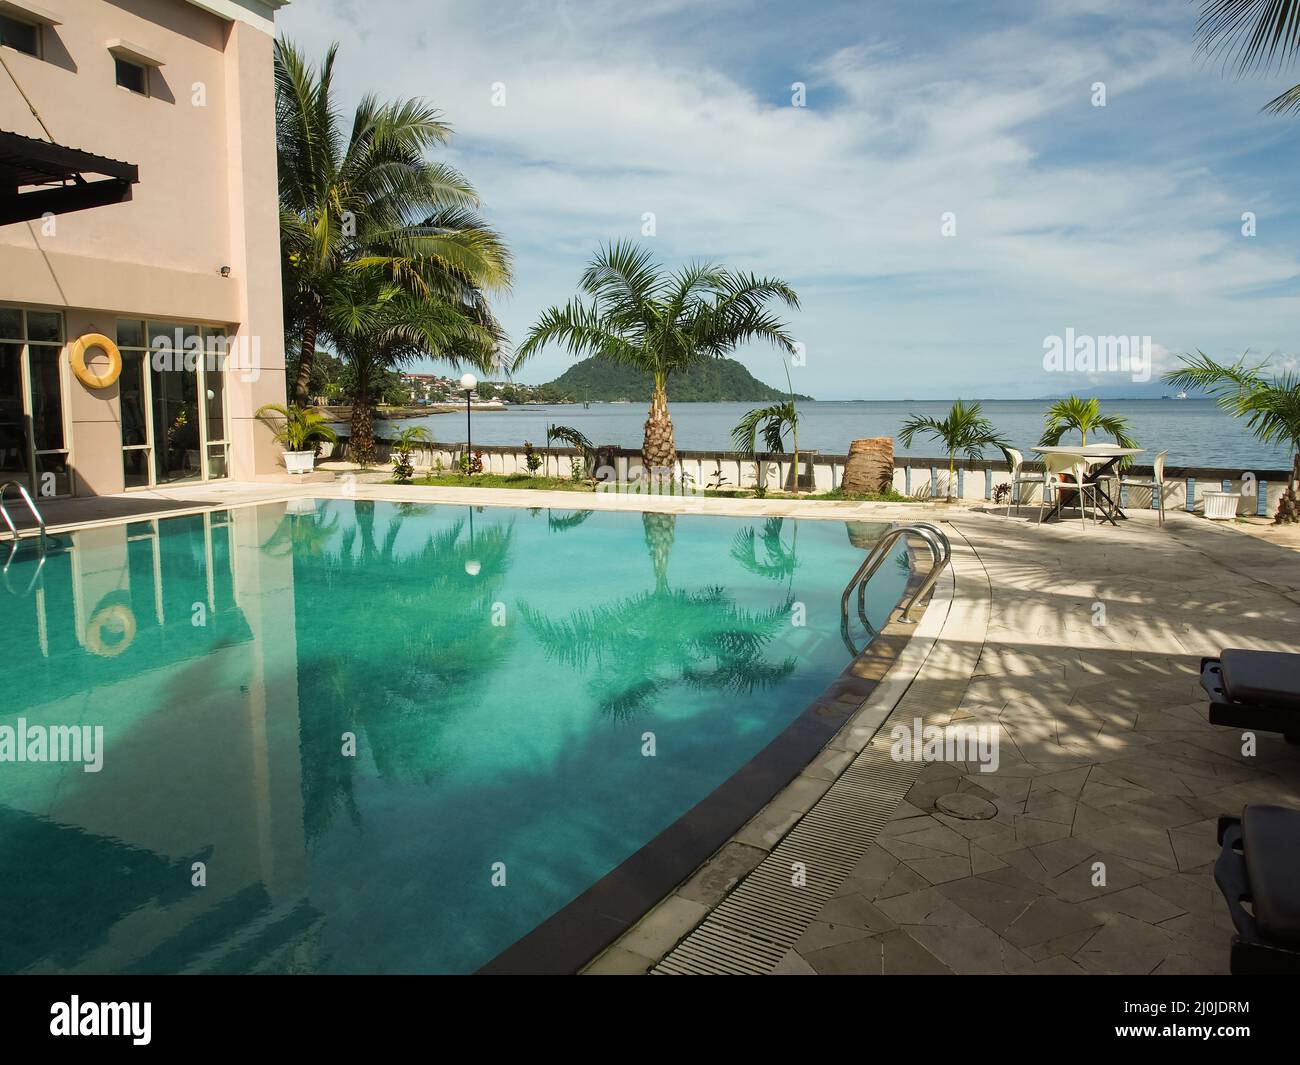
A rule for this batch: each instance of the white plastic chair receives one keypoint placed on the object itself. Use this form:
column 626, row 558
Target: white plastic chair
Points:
column 1156, row 484
column 1068, row 473
column 1019, row 476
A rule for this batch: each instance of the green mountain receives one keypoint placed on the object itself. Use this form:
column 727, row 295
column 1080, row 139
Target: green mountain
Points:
column 708, row 381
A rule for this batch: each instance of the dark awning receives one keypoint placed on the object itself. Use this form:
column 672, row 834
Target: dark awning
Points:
column 60, row 174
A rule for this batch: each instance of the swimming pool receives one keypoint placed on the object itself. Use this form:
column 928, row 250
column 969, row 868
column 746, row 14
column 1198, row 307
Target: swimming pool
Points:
column 354, row 736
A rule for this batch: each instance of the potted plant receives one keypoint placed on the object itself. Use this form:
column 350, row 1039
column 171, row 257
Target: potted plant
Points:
column 302, row 427
column 403, row 447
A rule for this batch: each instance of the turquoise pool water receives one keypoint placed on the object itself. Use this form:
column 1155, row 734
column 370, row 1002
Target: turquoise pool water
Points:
column 328, row 736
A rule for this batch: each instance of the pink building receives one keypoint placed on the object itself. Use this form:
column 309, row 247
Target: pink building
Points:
column 140, row 309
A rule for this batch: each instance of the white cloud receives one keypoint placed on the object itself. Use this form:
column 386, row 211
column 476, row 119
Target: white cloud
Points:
column 1114, row 220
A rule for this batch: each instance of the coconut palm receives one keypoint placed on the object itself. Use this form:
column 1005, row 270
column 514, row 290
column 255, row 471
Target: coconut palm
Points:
column 1253, row 35
column 378, row 325
column 772, row 422
column 577, row 439
column 370, row 196
column 660, row 323
column 1270, row 405
column 965, row 430
column 1084, row 416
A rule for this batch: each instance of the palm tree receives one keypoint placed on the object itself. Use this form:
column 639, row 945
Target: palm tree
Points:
column 1253, row 35
column 577, row 439
column 378, row 325
column 660, row 323
column 1083, row 416
column 965, row 429
column 370, row 197
column 772, row 421
column 1270, row 405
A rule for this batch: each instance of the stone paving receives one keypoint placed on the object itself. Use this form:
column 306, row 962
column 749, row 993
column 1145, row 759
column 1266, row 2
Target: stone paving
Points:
column 1088, row 670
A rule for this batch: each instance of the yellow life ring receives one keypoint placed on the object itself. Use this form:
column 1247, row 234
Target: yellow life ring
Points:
column 87, row 376
column 118, row 617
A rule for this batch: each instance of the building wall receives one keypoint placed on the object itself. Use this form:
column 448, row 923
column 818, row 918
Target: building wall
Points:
column 204, row 142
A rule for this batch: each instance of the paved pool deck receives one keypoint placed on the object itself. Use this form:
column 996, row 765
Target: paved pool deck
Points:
column 1079, row 646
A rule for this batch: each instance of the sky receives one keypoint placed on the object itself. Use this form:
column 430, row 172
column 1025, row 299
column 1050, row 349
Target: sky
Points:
column 948, row 197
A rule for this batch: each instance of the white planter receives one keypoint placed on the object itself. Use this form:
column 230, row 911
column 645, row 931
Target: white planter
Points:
column 299, row 461
column 1221, row 506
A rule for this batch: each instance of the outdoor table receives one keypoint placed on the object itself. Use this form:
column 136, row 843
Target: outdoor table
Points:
column 1107, row 455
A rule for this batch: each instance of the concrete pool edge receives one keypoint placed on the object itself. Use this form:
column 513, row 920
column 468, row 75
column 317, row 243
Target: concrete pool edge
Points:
column 779, row 783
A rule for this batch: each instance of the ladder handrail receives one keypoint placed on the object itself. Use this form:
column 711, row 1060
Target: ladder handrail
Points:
column 31, row 506
column 941, row 552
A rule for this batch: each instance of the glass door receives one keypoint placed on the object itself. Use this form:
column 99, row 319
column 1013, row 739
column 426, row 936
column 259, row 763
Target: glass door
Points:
column 173, row 403
column 33, row 436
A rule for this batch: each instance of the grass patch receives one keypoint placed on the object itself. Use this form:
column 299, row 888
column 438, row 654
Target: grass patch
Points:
column 565, row 484
column 503, row 480
column 865, row 497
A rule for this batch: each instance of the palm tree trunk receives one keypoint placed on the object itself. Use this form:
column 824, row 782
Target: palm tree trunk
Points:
column 658, row 448
column 1288, row 507
column 952, row 473
column 659, row 533
column 363, row 426
column 306, row 357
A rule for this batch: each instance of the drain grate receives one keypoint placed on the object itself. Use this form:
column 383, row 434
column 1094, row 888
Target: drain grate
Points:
column 754, row 926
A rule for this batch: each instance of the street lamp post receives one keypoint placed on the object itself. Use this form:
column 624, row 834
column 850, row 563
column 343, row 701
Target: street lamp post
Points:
column 469, row 382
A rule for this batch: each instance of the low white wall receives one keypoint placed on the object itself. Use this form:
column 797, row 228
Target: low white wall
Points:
column 917, row 477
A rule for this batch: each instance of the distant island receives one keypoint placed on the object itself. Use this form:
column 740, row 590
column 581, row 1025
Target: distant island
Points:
column 709, row 381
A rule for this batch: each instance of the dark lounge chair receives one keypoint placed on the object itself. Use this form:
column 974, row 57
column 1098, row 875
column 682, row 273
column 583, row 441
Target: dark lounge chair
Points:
column 1260, row 867
column 1254, row 690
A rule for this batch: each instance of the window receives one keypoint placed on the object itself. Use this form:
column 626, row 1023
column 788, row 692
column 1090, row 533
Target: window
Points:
column 20, row 36
column 132, row 76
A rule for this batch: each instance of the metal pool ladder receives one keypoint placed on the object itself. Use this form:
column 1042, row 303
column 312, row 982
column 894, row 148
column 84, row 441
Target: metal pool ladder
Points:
column 31, row 506
column 940, row 550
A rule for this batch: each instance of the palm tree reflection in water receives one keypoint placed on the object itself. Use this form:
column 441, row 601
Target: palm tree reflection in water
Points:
column 442, row 651
column 644, row 646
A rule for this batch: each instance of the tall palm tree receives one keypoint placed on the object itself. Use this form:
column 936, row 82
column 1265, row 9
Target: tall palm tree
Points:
column 640, row 315
column 370, row 196
column 1270, row 405
column 1253, row 35
column 965, row 429
column 1083, row 416
column 377, row 324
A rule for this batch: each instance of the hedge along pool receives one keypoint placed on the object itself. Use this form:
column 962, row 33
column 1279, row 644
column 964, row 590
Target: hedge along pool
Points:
column 354, row 736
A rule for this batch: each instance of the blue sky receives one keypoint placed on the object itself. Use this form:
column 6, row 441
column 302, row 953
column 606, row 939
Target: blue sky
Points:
column 1115, row 220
